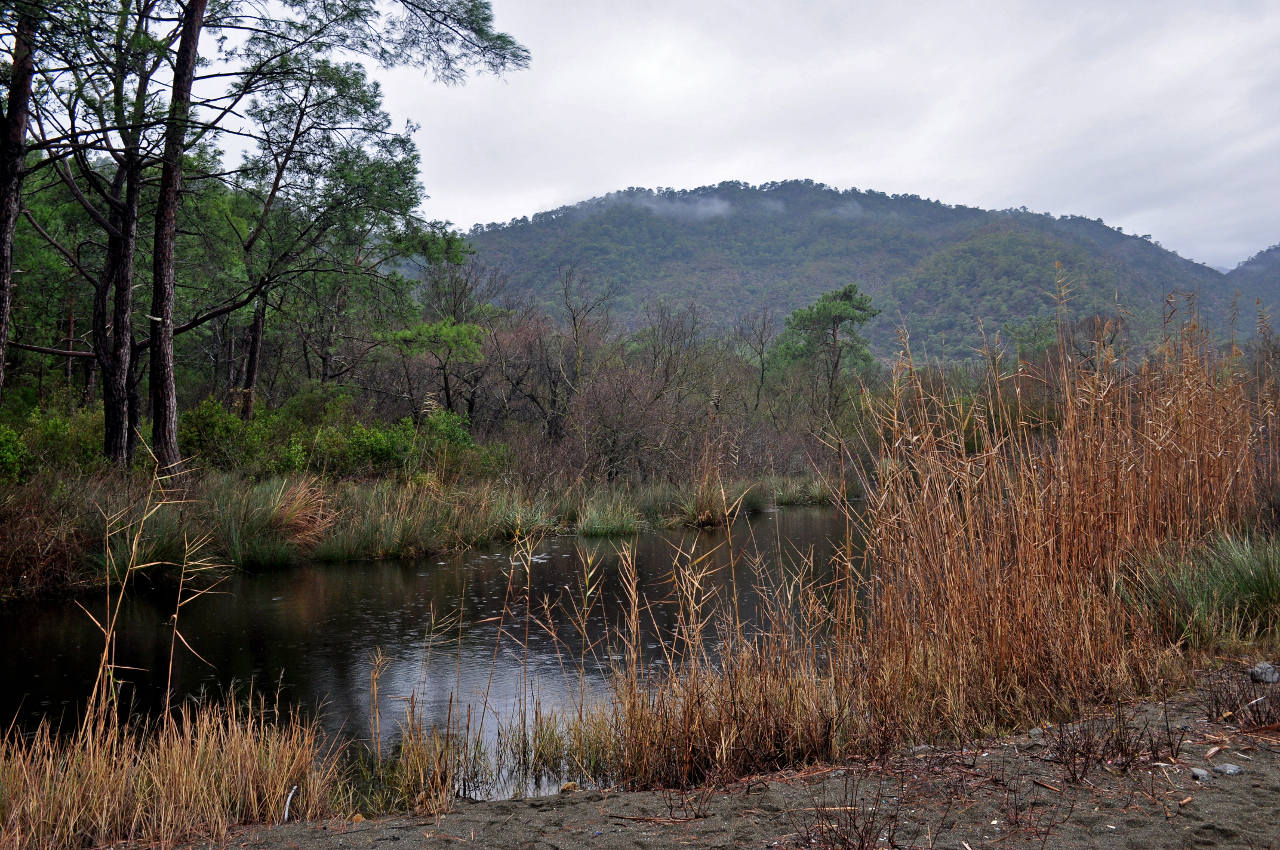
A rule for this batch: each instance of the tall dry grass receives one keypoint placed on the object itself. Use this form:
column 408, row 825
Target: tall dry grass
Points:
column 994, row 599
column 190, row 777
column 732, row 694
column 990, row 593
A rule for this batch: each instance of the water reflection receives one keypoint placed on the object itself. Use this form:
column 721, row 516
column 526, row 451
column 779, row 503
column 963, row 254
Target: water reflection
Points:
column 309, row 632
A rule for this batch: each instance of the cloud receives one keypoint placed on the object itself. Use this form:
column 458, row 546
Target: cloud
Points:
column 1158, row 117
column 682, row 209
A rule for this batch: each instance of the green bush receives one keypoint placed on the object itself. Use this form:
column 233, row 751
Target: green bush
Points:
column 64, row 441
column 360, row 449
column 13, row 455
column 319, row 405
column 445, row 427
column 317, row 431
column 213, row 436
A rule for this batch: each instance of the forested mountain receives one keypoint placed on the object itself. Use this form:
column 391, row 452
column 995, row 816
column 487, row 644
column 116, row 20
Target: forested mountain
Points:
column 1257, row 280
column 945, row 272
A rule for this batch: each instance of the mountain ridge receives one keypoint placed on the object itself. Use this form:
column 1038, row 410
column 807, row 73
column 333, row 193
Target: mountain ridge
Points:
column 948, row 273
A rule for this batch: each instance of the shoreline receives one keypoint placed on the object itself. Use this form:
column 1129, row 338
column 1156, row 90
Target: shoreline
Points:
column 70, row 540
column 1013, row 791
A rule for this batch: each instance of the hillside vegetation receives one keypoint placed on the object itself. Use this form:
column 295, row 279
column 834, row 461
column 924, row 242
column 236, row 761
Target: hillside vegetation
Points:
column 948, row 273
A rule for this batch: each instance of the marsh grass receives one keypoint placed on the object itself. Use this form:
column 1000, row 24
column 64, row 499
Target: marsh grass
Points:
column 273, row 523
column 382, row 520
column 997, row 548
column 727, row 698
column 1221, row 595
column 990, row 594
column 190, row 777
column 517, row 515
column 799, row 490
column 607, row 515
column 420, row 772
column 46, row 533
column 191, row 774
column 54, row 528
column 390, row 519
column 657, row 501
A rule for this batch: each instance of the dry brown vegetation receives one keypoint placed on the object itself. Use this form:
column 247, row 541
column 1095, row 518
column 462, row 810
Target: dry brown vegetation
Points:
column 190, row 777
column 989, row 594
column 995, row 569
column 994, row 590
column 192, row 773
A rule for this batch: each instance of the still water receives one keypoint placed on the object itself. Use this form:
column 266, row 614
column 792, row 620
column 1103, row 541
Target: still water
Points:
column 310, row 632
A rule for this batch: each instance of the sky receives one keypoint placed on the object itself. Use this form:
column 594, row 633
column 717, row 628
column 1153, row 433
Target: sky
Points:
column 1161, row 118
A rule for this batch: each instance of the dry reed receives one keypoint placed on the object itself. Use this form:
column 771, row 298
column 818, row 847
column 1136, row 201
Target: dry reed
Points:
column 994, row 598
column 190, row 777
column 989, row 594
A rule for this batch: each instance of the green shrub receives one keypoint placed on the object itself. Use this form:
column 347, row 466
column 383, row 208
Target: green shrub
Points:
column 214, row 436
column 291, row 457
column 319, row 405
column 444, row 427
column 64, row 441
column 13, row 455
column 358, row 449
column 317, row 431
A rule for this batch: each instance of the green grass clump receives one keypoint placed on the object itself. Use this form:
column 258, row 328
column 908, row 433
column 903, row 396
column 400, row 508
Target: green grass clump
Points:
column 607, row 515
column 657, row 501
column 799, row 490
column 514, row 515
column 384, row 519
column 751, row 497
column 1219, row 595
column 273, row 523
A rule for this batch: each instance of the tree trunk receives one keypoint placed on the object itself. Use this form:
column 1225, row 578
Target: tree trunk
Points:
column 133, row 404
column 164, row 401
column 69, row 365
column 90, row 381
column 113, row 337
column 255, row 353
column 13, row 155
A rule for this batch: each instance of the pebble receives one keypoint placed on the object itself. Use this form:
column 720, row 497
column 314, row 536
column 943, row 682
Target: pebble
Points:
column 1264, row 674
column 1228, row 769
column 1199, row 774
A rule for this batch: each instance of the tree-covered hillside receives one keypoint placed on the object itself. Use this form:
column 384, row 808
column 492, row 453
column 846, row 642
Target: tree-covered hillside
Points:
column 945, row 272
column 1257, row 280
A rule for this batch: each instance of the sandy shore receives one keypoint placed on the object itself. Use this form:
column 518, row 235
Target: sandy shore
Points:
column 1012, row 792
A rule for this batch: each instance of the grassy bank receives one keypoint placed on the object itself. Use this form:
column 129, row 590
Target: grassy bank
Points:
column 53, row 527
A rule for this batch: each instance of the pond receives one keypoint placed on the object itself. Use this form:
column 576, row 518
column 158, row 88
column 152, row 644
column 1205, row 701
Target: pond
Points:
column 453, row 629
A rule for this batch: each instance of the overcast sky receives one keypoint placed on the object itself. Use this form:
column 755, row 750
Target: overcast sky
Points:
column 1159, row 117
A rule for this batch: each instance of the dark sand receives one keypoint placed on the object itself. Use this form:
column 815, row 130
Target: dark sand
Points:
column 1014, row 792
